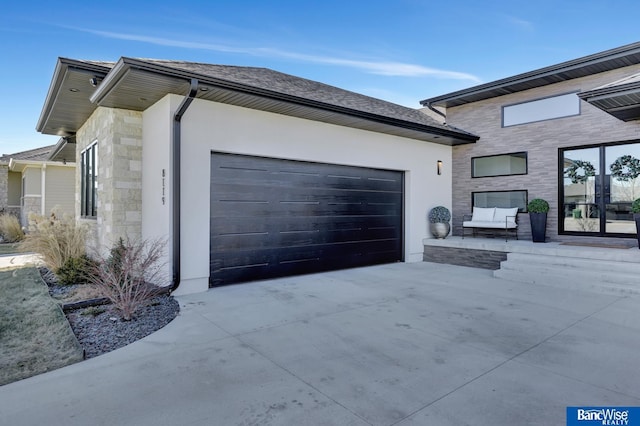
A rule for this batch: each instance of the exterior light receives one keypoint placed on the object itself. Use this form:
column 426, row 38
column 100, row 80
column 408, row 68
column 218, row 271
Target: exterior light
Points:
column 439, row 167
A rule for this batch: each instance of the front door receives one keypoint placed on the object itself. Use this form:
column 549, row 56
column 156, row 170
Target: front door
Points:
column 599, row 185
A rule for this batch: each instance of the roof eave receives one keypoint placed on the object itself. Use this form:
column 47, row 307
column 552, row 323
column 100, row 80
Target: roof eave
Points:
column 620, row 101
column 553, row 70
column 125, row 65
column 62, row 68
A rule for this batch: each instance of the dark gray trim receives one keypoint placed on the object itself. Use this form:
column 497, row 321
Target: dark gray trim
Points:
column 526, row 166
column 588, row 65
column 540, row 99
column 176, row 181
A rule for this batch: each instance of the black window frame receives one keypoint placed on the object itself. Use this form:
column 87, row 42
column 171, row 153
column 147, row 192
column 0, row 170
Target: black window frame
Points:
column 88, row 182
column 601, row 177
column 520, row 209
column 526, row 164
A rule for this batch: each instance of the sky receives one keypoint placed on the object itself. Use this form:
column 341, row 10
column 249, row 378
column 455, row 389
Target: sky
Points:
column 401, row 51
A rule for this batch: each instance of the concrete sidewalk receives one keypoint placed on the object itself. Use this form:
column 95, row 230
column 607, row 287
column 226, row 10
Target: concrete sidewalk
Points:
column 401, row 344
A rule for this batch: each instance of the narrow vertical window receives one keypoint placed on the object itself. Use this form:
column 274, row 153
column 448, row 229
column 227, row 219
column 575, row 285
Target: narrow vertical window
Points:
column 89, row 181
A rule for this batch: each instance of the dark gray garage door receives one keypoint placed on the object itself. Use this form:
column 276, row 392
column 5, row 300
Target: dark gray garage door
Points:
column 272, row 218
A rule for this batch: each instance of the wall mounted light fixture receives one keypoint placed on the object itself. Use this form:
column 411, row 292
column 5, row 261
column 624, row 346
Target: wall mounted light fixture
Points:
column 439, row 167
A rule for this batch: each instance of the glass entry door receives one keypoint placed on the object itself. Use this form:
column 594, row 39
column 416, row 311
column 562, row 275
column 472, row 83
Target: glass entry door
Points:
column 599, row 185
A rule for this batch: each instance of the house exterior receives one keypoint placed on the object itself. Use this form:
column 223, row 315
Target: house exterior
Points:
column 248, row 173
column 568, row 133
column 36, row 181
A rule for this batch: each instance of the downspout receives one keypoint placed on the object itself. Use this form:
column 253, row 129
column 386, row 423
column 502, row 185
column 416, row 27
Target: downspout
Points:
column 175, row 181
column 428, row 105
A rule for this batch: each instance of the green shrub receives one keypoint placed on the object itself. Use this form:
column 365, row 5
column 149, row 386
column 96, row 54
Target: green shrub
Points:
column 635, row 206
column 538, row 205
column 75, row 270
column 439, row 214
column 56, row 239
column 10, row 229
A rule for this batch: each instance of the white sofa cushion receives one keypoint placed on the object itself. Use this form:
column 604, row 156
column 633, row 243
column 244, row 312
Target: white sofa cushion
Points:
column 489, row 224
column 483, row 214
column 502, row 215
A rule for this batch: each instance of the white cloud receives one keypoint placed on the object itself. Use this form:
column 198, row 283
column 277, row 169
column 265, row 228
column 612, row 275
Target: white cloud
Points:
column 521, row 23
column 373, row 67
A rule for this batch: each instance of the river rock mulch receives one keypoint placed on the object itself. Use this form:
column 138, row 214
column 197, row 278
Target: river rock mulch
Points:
column 99, row 329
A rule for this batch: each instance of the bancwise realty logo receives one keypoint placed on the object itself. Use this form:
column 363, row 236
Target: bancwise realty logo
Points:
column 619, row 416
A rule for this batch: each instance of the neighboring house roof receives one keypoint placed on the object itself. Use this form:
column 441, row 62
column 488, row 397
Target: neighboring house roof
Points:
column 620, row 98
column 137, row 84
column 599, row 62
column 37, row 154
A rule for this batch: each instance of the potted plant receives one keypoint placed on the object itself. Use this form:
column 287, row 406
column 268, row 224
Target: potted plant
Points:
column 635, row 209
column 439, row 218
column 538, row 209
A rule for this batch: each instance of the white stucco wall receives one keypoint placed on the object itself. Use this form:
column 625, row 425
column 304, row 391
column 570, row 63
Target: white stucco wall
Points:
column 209, row 126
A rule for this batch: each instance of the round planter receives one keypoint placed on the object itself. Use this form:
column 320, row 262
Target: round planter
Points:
column 440, row 230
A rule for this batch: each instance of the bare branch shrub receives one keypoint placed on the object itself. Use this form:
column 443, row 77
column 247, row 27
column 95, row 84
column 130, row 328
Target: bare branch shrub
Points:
column 57, row 238
column 10, row 229
column 131, row 275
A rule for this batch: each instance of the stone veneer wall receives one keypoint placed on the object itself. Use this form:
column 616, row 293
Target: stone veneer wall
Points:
column 118, row 133
column 540, row 140
column 485, row 259
column 4, row 187
column 30, row 204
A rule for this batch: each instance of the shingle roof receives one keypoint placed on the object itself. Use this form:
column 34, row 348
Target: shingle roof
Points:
column 267, row 79
column 136, row 84
column 37, row 154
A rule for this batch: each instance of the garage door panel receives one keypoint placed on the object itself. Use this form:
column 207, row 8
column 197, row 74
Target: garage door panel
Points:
column 328, row 253
column 237, row 193
column 328, row 178
column 299, row 231
column 273, row 217
column 299, row 238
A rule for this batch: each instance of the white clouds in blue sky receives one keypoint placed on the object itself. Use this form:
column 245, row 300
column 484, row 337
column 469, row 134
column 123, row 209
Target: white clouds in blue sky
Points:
column 380, row 67
column 401, row 51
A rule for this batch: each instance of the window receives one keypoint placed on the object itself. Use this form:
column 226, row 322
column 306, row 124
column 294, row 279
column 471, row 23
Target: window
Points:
column 499, row 165
column 503, row 199
column 89, row 181
column 541, row 109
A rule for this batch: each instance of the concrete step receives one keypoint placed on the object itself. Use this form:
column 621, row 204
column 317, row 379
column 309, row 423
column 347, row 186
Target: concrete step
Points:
column 563, row 280
column 572, row 272
column 574, row 262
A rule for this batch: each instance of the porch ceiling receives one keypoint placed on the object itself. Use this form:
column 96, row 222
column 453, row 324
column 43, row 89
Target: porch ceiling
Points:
column 620, row 98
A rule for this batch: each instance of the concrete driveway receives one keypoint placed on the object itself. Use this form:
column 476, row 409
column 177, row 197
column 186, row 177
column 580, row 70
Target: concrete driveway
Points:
column 401, row 344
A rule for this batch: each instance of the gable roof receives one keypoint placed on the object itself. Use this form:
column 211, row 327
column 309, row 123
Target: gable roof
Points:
column 599, row 62
column 136, row 84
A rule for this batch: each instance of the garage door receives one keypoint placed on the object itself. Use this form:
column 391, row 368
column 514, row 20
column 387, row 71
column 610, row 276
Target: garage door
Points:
column 272, row 217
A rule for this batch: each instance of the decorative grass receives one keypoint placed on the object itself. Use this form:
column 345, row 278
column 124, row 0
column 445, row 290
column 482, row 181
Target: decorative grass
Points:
column 10, row 228
column 35, row 336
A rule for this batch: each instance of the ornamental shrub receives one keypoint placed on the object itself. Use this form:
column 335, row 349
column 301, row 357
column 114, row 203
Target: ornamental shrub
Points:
column 439, row 214
column 130, row 276
column 635, row 206
column 538, row 205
